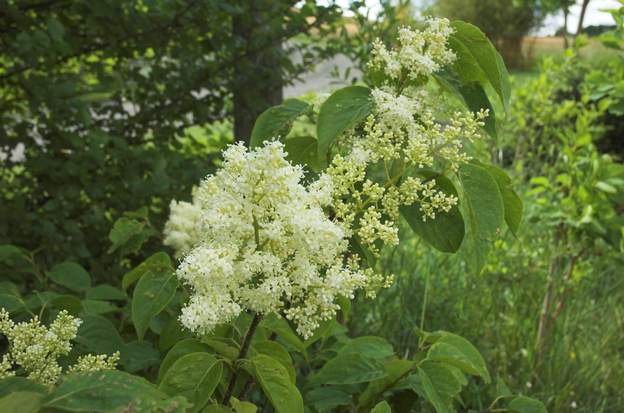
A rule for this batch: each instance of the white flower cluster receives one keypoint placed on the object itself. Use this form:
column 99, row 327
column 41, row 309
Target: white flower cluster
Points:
column 35, row 348
column 182, row 230
column 419, row 53
column 401, row 134
column 404, row 127
column 265, row 244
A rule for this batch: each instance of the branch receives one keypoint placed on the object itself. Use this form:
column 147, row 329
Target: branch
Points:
column 241, row 355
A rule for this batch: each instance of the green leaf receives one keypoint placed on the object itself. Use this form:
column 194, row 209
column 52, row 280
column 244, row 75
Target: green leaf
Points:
column 472, row 94
column 369, row 346
column 108, row 391
column 11, row 302
column 431, row 393
column 182, row 348
column 458, row 352
column 98, row 335
column 21, row 401
column 483, row 211
column 277, row 352
column 523, row 404
column 97, row 307
column 445, row 378
column 16, row 260
column 70, row 275
column 274, row 381
column 172, row 333
column 151, row 295
column 395, row 369
column 243, row 407
column 275, row 122
column 280, row 326
column 446, row 231
column 139, row 355
column 478, row 60
column 159, row 263
column 326, row 398
column 344, row 109
column 382, row 407
column 70, row 303
column 194, row 376
column 16, row 383
column 129, row 234
column 303, row 150
column 105, row 292
column 349, row 368
column 511, row 201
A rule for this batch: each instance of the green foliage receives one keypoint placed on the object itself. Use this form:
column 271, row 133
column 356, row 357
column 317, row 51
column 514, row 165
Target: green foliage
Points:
column 342, row 110
column 251, row 364
column 117, row 106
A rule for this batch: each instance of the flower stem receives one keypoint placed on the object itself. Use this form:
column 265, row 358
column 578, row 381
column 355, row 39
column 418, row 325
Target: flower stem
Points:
column 241, row 355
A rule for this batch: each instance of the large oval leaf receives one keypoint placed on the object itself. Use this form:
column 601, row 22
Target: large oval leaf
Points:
column 459, row 352
column 446, row 231
column 21, row 401
column 70, row 275
column 275, row 122
column 194, row 376
column 511, row 201
column 181, row 349
column 276, row 385
column 341, row 111
column 108, row 391
column 478, row 59
column 349, row 368
column 157, row 263
column 483, row 210
column 151, row 295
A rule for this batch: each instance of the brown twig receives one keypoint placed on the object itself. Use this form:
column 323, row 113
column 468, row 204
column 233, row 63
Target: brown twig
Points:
column 241, row 355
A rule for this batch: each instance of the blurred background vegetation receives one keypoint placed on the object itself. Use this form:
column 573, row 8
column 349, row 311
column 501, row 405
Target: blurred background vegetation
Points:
column 110, row 109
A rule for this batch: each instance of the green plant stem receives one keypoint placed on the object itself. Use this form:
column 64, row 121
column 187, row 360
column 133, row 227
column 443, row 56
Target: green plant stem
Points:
column 424, row 308
column 241, row 355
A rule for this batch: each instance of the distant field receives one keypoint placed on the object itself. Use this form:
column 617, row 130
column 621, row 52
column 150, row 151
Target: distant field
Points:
column 535, row 48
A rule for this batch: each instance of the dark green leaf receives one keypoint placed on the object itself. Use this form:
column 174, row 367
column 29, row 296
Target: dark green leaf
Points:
column 275, row 123
column 433, row 396
column 159, row 263
column 182, row 348
column 349, row 368
column 303, row 150
column 523, row 404
column 473, row 95
column 511, row 201
column 344, row 109
column 151, row 295
column 326, row 399
column 21, row 401
column 70, row 275
column 478, row 60
column 274, row 381
column 108, row 391
column 483, row 210
column 194, row 376
column 458, row 352
column 105, row 292
column 98, row 335
column 446, row 231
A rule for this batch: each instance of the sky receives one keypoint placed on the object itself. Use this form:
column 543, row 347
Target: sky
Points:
column 593, row 16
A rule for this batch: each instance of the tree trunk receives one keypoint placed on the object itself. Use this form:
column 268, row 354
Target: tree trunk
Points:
column 511, row 50
column 579, row 28
column 257, row 83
